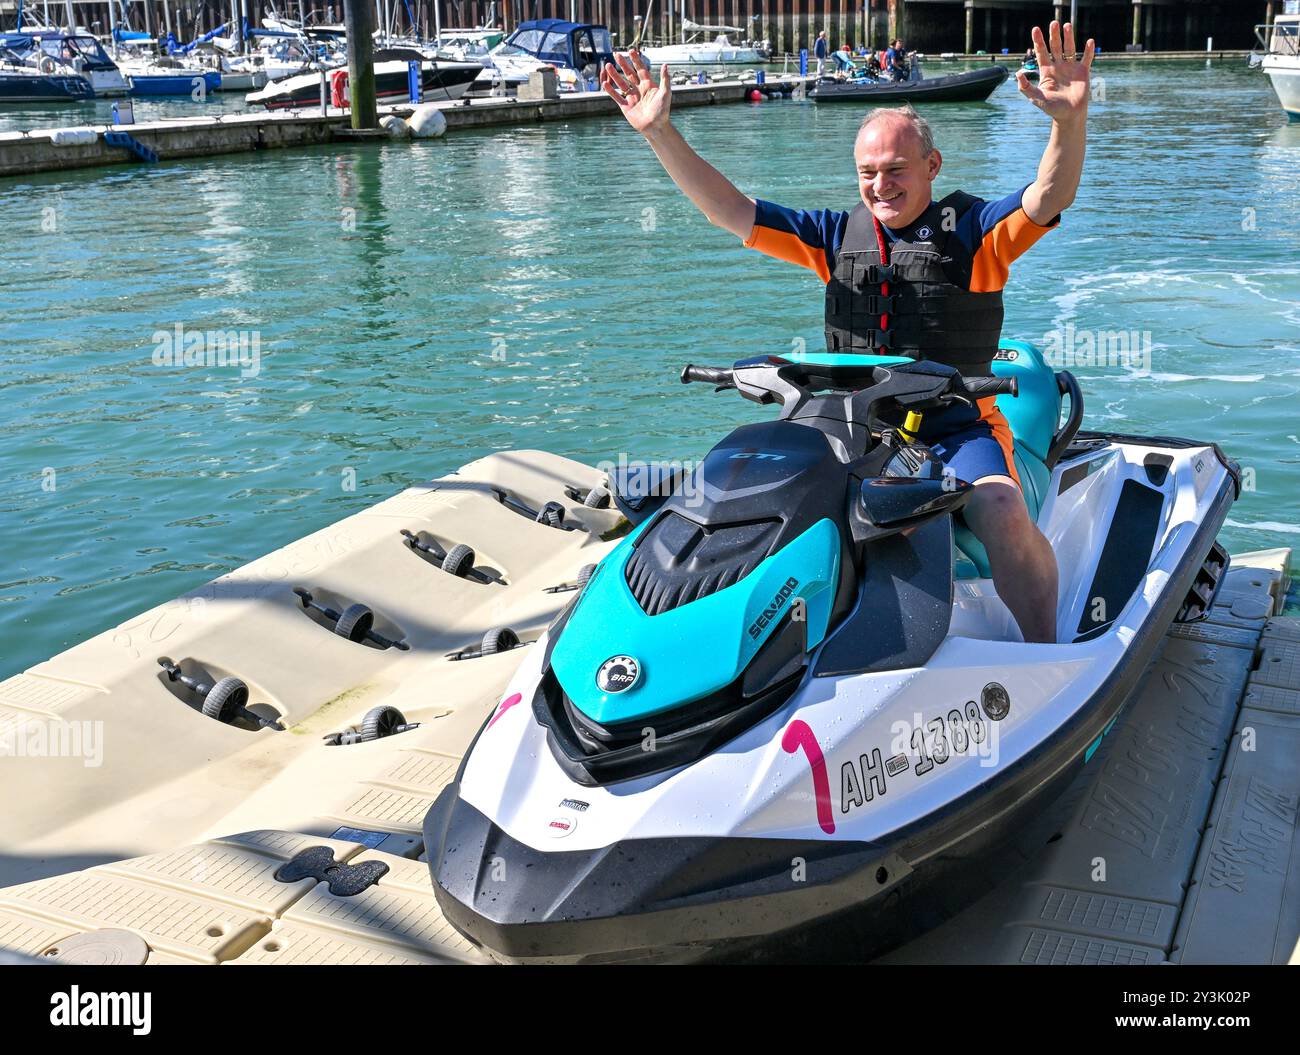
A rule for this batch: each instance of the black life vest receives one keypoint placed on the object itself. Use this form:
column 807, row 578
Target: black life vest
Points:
column 931, row 313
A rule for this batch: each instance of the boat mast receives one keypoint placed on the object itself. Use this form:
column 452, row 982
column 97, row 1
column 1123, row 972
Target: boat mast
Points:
column 645, row 22
column 72, row 20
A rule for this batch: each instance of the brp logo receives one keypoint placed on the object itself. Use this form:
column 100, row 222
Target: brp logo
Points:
column 559, row 827
column 618, row 674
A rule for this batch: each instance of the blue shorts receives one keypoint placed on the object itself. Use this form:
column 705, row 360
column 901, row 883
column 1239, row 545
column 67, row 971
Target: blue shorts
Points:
column 975, row 451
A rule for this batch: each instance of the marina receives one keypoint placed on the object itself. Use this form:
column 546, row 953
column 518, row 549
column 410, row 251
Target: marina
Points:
column 366, row 523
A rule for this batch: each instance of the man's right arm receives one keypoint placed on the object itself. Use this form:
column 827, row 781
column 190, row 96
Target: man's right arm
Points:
column 646, row 106
column 713, row 194
column 809, row 239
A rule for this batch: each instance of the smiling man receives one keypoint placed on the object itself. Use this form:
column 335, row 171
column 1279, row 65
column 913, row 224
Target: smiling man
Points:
column 907, row 275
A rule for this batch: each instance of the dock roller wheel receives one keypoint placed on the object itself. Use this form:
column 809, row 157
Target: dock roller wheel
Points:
column 552, row 515
column 355, row 622
column 596, row 498
column 498, row 639
column 226, row 700
column 380, row 722
column 459, row 560
column 587, row 571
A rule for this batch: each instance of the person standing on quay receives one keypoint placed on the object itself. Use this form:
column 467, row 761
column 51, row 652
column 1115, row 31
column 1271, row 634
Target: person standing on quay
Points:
column 820, row 48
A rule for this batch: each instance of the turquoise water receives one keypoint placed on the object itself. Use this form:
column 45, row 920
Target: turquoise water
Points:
column 421, row 305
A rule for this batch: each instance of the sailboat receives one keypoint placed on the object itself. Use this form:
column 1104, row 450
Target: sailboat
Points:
column 725, row 49
column 28, row 75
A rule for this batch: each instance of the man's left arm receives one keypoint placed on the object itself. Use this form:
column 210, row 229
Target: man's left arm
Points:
column 1061, row 93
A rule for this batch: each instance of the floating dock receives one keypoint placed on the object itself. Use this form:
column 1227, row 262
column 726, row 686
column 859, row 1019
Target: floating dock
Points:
column 25, row 153
column 191, row 841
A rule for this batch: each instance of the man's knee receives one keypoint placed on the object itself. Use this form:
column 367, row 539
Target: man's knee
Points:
column 997, row 508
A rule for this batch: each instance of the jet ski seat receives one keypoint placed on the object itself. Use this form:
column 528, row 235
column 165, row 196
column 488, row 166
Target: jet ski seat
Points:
column 1034, row 416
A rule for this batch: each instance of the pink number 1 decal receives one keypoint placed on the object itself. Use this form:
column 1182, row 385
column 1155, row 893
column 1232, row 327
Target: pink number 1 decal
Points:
column 504, row 706
column 799, row 735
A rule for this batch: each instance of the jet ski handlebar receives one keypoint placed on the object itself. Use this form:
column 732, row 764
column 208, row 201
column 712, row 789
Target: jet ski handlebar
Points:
column 712, row 375
column 973, row 387
column 980, row 387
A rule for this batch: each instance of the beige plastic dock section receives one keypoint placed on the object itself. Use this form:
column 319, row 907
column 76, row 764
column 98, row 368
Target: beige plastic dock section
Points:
column 1190, row 801
column 141, row 770
column 221, row 902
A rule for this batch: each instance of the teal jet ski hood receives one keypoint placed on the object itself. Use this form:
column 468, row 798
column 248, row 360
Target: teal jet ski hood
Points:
column 670, row 659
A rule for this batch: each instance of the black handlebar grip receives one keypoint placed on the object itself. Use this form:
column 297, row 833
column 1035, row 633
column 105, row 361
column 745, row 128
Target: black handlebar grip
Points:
column 980, row 387
column 713, row 375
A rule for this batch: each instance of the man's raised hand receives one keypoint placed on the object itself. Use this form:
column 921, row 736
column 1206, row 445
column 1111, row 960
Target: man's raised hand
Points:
column 1062, row 88
column 644, row 103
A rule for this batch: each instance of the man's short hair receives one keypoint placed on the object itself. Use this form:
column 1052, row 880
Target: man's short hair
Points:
column 919, row 124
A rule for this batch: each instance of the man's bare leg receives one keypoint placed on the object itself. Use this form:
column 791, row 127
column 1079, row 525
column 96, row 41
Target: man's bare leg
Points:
column 1021, row 559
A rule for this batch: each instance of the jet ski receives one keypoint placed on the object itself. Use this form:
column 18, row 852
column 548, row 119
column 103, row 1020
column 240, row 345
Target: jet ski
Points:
column 789, row 704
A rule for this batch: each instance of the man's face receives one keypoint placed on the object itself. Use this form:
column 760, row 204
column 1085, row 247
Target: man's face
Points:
column 894, row 176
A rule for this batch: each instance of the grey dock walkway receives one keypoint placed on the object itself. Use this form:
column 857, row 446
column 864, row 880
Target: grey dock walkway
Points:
column 26, row 153
column 1178, row 841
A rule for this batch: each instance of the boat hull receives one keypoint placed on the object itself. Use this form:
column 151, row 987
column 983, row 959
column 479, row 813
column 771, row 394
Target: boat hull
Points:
column 20, row 88
column 975, row 86
column 232, row 81
column 107, row 83
column 868, row 898
column 1284, row 73
column 438, row 82
column 689, row 55
column 180, row 84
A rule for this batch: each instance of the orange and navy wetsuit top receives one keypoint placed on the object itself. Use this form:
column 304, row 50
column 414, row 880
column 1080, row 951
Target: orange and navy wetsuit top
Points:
column 987, row 238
